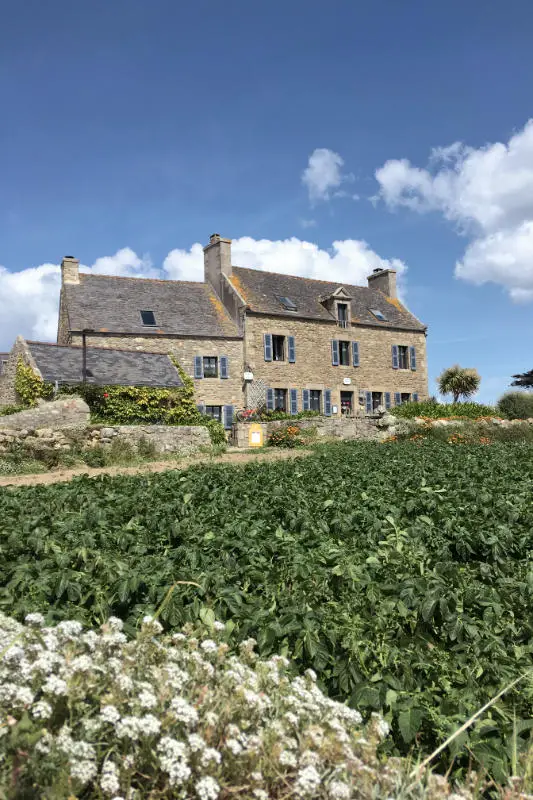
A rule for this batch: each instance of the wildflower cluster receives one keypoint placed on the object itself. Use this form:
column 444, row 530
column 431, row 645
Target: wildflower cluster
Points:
column 289, row 436
column 93, row 714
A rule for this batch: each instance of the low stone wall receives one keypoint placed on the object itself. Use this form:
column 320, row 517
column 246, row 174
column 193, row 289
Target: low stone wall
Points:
column 68, row 412
column 326, row 428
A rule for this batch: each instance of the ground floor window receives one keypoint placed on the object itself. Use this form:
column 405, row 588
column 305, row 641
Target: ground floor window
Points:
column 405, row 397
column 214, row 411
column 377, row 400
column 315, row 400
column 346, row 403
column 280, row 399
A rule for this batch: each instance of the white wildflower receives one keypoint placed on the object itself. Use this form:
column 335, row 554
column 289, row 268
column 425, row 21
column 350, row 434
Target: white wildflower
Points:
column 311, row 674
column 234, row 746
column 338, row 790
column 207, row 788
column 91, row 639
column 150, row 622
column 23, row 697
column 115, row 623
column 14, row 653
column 69, row 629
column 149, row 725
column 287, row 759
column 109, row 781
column 218, row 626
column 82, row 664
column 55, row 685
column 196, row 743
column 211, row 718
column 209, row 755
column 307, row 782
column 34, row 619
column 83, row 771
column 110, row 714
column 381, row 726
column 42, row 710
column 173, row 760
column 260, row 794
column 183, row 711
column 128, row 728
column 209, row 646
column 147, row 699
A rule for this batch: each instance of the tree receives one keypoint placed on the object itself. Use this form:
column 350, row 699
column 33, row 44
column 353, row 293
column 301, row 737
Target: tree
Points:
column 459, row 382
column 525, row 380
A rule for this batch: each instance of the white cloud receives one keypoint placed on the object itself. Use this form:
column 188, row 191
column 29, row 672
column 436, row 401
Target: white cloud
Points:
column 323, row 174
column 29, row 298
column 488, row 193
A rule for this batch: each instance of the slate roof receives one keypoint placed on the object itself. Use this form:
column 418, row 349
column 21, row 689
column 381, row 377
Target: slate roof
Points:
column 261, row 290
column 109, row 367
column 106, row 303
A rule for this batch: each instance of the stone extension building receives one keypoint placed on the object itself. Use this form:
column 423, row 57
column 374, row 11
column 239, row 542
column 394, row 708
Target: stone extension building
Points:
column 250, row 338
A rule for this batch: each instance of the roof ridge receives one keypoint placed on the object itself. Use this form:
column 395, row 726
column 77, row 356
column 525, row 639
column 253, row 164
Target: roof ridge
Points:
column 303, row 277
column 145, row 280
column 107, row 349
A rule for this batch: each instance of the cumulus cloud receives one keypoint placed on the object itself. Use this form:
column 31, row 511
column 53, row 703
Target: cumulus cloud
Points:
column 488, row 194
column 29, row 298
column 323, row 174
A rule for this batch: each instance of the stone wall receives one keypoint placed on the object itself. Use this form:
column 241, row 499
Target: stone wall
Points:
column 8, row 394
column 313, row 368
column 68, row 412
column 358, row 427
column 208, row 391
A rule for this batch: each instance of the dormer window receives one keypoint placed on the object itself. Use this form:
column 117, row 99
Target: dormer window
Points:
column 148, row 318
column 342, row 314
column 378, row 314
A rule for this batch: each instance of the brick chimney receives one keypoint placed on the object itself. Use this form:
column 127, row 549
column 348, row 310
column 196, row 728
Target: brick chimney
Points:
column 217, row 261
column 385, row 281
column 70, row 270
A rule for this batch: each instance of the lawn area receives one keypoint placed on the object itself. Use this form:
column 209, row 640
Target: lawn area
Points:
column 401, row 573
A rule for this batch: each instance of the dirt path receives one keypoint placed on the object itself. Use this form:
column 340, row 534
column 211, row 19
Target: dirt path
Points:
column 232, row 457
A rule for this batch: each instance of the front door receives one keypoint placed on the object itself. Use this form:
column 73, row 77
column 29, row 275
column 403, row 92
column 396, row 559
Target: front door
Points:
column 346, row 404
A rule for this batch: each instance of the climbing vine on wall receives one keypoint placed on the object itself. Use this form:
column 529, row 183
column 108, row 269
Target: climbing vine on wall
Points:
column 29, row 386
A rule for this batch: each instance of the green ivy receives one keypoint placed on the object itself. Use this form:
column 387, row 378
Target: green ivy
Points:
column 29, row 386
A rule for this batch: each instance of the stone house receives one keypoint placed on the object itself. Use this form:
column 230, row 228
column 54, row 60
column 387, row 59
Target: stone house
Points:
column 249, row 337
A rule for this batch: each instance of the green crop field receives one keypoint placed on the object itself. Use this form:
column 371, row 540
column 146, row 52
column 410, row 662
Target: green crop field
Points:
column 402, row 573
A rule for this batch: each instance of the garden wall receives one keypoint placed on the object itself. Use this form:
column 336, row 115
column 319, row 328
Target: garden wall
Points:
column 326, row 428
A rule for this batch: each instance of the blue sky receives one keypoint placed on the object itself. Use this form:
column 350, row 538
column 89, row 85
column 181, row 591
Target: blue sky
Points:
column 132, row 130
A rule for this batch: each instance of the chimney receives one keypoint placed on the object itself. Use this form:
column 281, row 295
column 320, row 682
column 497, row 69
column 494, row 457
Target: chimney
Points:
column 70, row 270
column 385, row 281
column 217, row 261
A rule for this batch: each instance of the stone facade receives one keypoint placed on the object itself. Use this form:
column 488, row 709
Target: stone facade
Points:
column 208, row 391
column 313, row 367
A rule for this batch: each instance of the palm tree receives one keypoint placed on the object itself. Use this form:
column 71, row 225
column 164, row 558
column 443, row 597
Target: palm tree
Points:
column 459, row 382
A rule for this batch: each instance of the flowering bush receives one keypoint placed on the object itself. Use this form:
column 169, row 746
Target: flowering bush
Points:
column 93, row 715
column 286, row 437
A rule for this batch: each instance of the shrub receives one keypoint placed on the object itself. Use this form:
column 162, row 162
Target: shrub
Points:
column 6, row 410
column 267, row 416
column 433, row 410
column 95, row 715
column 516, row 405
column 286, row 437
column 29, row 386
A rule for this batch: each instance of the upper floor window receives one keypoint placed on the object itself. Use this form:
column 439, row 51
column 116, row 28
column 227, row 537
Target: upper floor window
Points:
column 210, row 367
column 342, row 314
column 404, row 357
column 148, row 318
column 344, row 354
column 278, row 348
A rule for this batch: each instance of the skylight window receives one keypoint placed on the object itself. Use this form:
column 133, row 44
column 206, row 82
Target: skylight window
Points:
column 288, row 304
column 378, row 314
column 148, row 318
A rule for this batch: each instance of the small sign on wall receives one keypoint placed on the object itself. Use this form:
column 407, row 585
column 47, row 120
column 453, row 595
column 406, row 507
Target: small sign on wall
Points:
column 255, row 435
column 334, row 409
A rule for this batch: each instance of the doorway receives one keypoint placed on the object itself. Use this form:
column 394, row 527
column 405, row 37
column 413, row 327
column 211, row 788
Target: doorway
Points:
column 346, row 404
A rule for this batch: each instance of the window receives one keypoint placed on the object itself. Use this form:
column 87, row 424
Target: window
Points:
column 403, row 356
column 210, row 366
column 278, row 348
column 288, row 304
column 342, row 315
column 315, row 400
column 148, row 318
column 215, row 412
column 280, row 400
column 377, row 400
column 378, row 314
column 405, row 397
column 344, row 354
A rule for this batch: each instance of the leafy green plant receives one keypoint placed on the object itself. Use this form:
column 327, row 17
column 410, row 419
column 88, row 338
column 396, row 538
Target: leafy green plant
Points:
column 516, row 405
column 289, row 436
column 405, row 586
column 12, row 409
column 29, row 386
column 459, row 382
column 433, row 410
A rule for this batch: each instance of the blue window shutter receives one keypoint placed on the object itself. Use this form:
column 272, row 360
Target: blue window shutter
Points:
column 270, row 399
column 412, row 357
column 327, row 402
column 368, row 398
column 305, row 399
column 228, row 416
column 267, row 340
column 415, row 398
column 292, row 350
column 355, row 353
column 294, row 401
column 335, row 352
column 387, row 400
column 395, row 362
column 198, row 367
column 201, row 408
column 224, row 367
column 397, row 399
